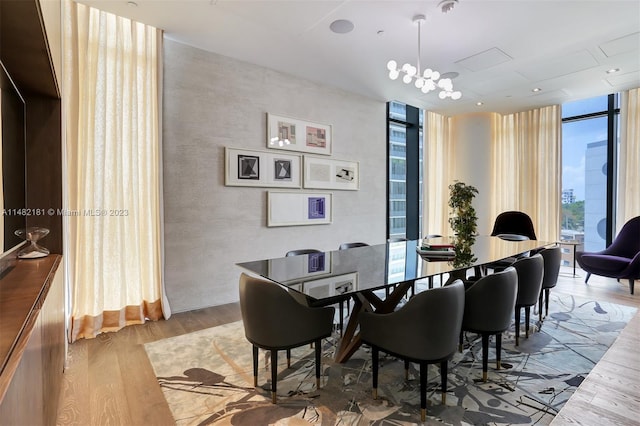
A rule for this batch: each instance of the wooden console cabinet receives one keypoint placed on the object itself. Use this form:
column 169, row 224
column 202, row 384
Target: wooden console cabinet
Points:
column 32, row 341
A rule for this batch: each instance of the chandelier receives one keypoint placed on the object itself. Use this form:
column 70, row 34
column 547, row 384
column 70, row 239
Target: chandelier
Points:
column 427, row 80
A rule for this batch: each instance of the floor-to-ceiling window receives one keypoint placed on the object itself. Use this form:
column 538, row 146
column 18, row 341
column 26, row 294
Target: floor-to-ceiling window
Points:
column 404, row 189
column 589, row 157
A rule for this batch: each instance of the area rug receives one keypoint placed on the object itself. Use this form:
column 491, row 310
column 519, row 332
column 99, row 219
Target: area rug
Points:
column 206, row 377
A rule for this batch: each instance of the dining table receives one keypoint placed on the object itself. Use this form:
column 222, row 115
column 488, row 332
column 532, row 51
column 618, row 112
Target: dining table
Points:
column 377, row 278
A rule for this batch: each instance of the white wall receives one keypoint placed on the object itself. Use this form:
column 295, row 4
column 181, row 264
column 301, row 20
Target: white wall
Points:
column 212, row 101
column 472, row 133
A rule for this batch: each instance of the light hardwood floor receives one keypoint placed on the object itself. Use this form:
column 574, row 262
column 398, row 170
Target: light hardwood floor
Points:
column 109, row 380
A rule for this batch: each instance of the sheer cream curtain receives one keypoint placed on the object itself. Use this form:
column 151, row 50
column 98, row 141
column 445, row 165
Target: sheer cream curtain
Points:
column 439, row 172
column 629, row 158
column 113, row 182
column 527, row 167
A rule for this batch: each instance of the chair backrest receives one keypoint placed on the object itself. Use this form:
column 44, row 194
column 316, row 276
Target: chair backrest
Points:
column 300, row 252
column 272, row 318
column 514, row 222
column 431, row 323
column 490, row 301
column 552, row 257
column 627, row 242
column 530, row 272
column 345, row 246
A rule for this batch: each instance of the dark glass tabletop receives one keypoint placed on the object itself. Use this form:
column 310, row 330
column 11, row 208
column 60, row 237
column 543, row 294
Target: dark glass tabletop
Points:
column 332, row 274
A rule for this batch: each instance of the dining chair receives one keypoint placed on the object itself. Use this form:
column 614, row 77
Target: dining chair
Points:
column 345, row 246
column 514, row 222
column 425, row 331
column 302, row 252
column 621, row 260
column 530, row 272
column 273, row 320
column 489, row 304
column 552, row 257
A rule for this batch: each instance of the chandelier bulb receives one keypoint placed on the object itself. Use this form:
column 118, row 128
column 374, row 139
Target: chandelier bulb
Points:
column 427, row 80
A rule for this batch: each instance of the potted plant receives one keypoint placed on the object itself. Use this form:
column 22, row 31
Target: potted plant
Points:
column 463, row 221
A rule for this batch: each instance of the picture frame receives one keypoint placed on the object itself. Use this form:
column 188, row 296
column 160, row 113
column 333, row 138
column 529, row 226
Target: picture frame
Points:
column 245, row 167
column 292, row 134
column 331, row 286
column 298, row 208
column 327, row 173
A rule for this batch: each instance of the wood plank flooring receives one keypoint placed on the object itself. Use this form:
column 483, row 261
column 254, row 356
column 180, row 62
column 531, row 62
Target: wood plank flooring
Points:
column 109, row 380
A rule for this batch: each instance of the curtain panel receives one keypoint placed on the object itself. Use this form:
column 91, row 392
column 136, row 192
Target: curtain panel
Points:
column 439, row 172
column 629, row 158
column 527, row 167
column 113, row 182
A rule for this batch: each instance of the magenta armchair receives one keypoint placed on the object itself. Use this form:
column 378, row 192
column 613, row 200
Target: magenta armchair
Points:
column 620, row 260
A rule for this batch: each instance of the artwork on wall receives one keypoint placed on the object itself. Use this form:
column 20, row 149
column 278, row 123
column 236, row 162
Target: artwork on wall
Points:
column 245, row 167
column 298, row 135
column 325, row 173
column 298, row 208
column 331, row 286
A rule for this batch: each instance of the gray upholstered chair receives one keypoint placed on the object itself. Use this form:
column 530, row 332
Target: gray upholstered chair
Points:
column 345, row 246
column 425, row 330
column 489, row 304
column 530, row 271
column 301, row 252
column 274, row 320
column 552, row 257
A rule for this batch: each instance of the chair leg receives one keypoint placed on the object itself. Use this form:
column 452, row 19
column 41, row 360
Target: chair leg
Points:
column 540, row 301
column 527, row 317
column 517, row 326
column 288, row 358
column 498, row 351
column 274, row 375
column 485, row 356
column 255, row 366
column 374, row 370
column 318, row 362
column 423, row 390
column 406, row 369
column 444, row 368
column 341, row 304
column 631, row 282
column 546, row 301
column 461, row 341
column 586, row 280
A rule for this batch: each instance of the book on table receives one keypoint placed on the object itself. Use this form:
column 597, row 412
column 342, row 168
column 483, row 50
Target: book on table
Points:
column 436, row 250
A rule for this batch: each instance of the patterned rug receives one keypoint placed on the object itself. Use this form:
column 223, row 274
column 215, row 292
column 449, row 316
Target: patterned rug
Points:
column 207, row 378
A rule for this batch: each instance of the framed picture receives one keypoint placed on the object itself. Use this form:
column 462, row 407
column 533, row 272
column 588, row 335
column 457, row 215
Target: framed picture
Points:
column 293, row 134
column 298, row 208
column 326, row 173
column 331, row 286
column 244, row 167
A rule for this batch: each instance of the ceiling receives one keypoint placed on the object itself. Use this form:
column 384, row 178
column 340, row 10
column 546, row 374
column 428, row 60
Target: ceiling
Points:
column 501, row 50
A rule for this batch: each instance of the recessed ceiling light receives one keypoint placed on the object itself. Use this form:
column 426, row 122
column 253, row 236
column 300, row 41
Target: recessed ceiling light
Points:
column 132, row 4
column 341, row 26
column 479, row 103
column 537, row 89
column 613, row 70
